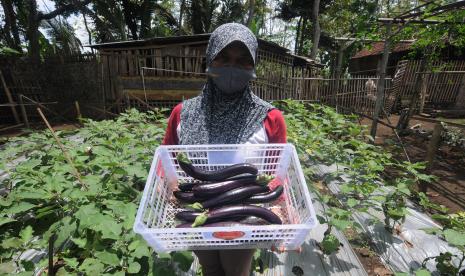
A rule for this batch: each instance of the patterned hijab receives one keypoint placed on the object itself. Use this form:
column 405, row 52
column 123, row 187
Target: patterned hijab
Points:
column 216, row 118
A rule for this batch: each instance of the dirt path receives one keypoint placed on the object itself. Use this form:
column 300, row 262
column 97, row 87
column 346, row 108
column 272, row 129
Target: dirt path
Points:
column 448, row 167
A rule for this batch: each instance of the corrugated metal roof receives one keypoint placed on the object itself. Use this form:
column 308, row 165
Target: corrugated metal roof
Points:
column 378, row 47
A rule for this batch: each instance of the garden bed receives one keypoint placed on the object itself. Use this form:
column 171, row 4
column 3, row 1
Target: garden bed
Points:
column 47, row 209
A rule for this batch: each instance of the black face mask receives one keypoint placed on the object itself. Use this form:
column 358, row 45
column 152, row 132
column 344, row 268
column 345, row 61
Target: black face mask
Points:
column 231, row 80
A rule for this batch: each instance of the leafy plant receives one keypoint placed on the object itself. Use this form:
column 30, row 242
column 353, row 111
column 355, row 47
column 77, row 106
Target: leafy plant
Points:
column 89, row 226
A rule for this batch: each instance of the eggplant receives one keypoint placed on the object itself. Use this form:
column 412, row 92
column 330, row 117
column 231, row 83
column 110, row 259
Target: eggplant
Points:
column 187, row 197
column 215, row 224
column 189, row 216
column 186, row 187
column 231, row 196
column 219, row 175
column 224, row 213
column 266, row 197
column 215, row 188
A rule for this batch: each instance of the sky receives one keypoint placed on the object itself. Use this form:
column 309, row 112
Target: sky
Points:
column 77, row 22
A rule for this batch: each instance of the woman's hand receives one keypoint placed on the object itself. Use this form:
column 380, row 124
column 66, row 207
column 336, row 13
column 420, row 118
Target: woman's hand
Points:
column 281, row 249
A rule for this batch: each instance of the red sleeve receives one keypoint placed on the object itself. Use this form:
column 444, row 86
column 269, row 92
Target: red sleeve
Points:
column 171, row 136
column 275, row 127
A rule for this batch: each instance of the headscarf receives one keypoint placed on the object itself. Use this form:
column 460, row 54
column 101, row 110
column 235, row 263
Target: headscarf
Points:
column 215, row 118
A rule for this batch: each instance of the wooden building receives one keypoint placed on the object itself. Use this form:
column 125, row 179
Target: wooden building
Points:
column 165, row 70
column 365, row 62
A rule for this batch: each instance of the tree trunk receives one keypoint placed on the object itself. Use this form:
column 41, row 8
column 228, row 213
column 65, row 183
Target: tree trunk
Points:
column 316, row 29
column 129, row 19
column 251, row 14
column 302, row 36
column 32, row 31
column 297, row 34
column 89, row 34
column 146, row 18
column 11, row 28
column 181, row 12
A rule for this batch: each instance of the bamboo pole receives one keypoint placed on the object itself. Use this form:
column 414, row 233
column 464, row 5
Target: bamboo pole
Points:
column 23, row 111
column 75, row 172
column 10, row 98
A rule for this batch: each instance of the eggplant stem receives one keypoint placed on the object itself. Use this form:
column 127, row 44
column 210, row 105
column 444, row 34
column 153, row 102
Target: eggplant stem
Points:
column 200, row 220
column 264, row 179
column 196, row 206
column 182, row 157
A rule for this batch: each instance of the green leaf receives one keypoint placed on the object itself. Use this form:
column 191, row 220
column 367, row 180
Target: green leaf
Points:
column 80, row 242
column 26, row 234
column 422, row 272
column 401, row 274
column 12, row 243
column 340, row 224
column 109, row 228
column 19, row 207
column 71, row 262
column 351, row 202
column 134, row 267
column 184, row 259
column 7, row 268
column 330, row 244
column 88, row 215
column 108, row 258
column 92, row 266
column 454, row 237
column 4, row 220
column 164, row 256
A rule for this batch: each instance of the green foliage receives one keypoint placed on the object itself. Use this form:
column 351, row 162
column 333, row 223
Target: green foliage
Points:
column 91, row 225
column 321, row 135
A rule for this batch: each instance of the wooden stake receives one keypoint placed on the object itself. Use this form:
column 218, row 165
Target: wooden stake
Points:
column 65, row 153
column 10, row 98
column 23, row 111
column 381, row 82
column 78, row 110
column 431, row 152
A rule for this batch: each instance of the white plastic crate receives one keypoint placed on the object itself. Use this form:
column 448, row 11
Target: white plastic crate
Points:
column 155, row 218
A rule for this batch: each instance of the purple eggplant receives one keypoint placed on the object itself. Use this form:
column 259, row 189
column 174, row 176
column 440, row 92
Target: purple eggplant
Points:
column 224, row 213
column 228, row 223
column 187, row 187
column 189, row 216
column 231, row 196
column 266, row 197
column 187, row 197
column 218, row 175
column 215, row 188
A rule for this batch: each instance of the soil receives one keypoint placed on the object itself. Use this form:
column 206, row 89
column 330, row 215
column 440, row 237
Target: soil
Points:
column 448, row 166
column 369, row 259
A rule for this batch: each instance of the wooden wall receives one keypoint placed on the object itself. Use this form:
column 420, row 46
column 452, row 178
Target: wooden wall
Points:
column 123, row 69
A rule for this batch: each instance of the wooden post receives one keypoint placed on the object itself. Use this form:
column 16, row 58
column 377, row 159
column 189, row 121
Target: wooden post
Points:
column 423, row 89
column 10, row 98
column 403, row 124
column 23, row 111
column 431, row 152
column 381, row 82
column 78, row 110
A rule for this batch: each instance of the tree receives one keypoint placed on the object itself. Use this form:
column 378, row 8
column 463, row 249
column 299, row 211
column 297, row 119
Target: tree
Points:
column 305, row 12
column 35, row 17
column 11, row 31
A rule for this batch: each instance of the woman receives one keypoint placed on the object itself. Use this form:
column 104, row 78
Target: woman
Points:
column 227, row 112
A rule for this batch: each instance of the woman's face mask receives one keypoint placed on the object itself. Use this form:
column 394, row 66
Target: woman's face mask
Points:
column 230, row 79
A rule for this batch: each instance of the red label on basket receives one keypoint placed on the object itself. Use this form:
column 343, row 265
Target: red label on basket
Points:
column 228, row 235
